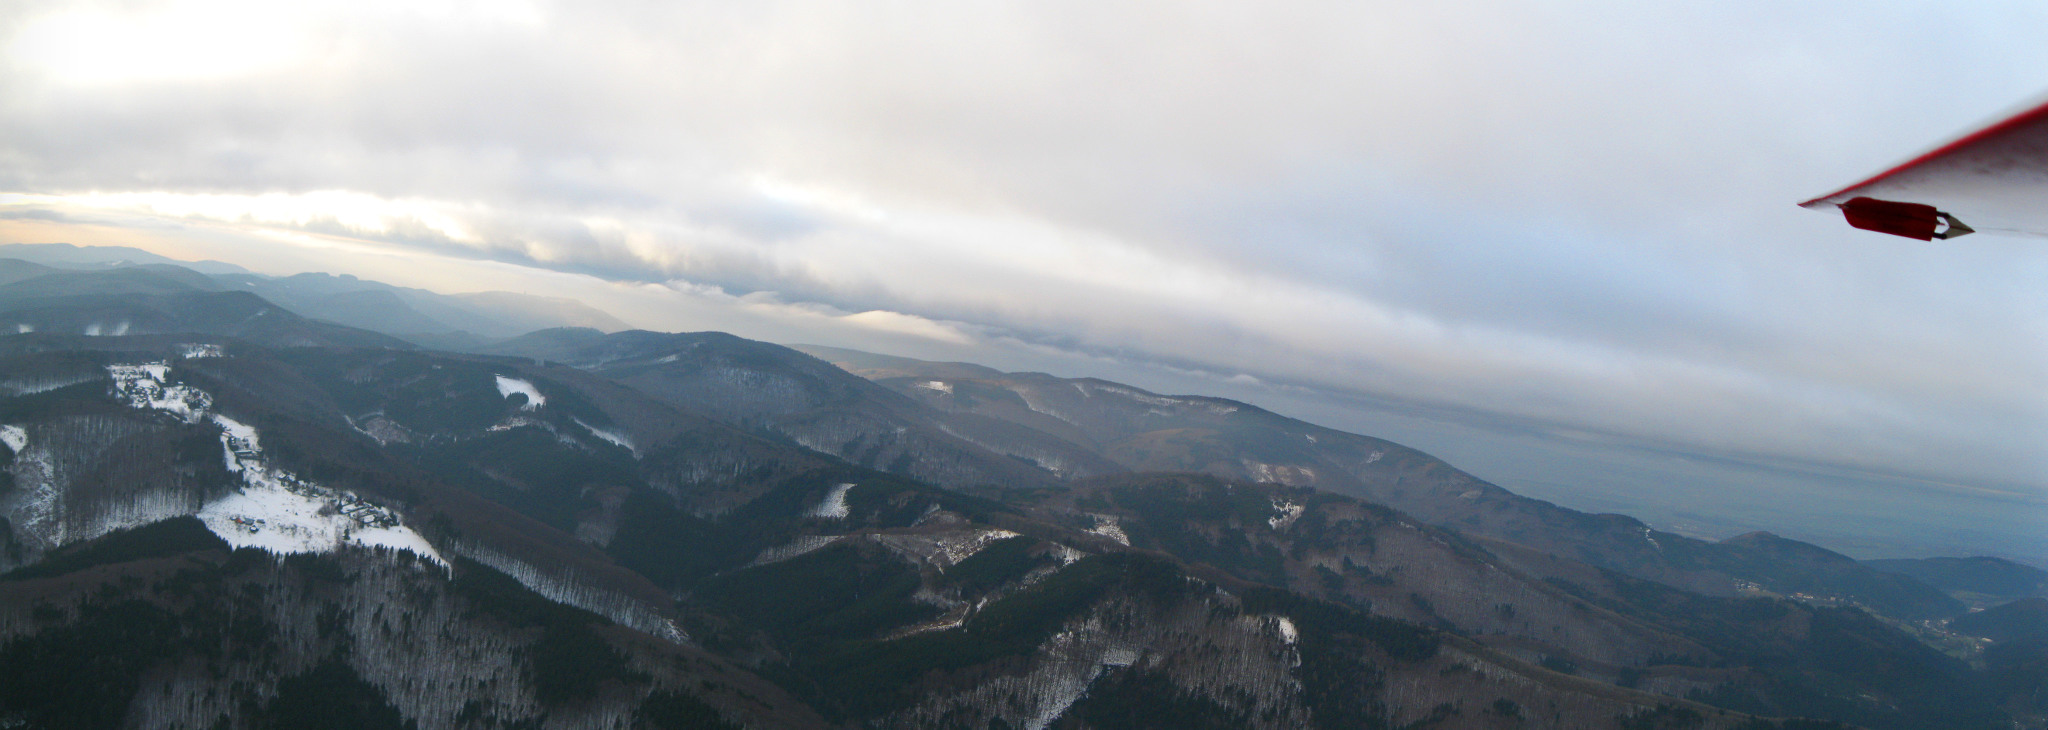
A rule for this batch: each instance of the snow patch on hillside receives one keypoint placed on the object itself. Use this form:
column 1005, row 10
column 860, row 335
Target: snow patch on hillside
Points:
column 1140, row 396
column 1159, row 402
column 273, row 509
column 1083, row 649
column 1054, row 463
column 146, row 386
column 802, row 545
column 284, row 516
column 15, row 437
column 36, row 512
column 1066, row 555
column 833, row 506
column 1286, row 628
column 198, row 350
column 384, row 430
column 516, row 422
column 238, row 437
column 42, row 383
column 616, row 438
column 957, row 548
column 277, row 511
column 1037, row 402
column 566, row 586
column 1059, row 692
column 508, row 386
column 1106, row 526
column 1293, row 476
column 944, row 549
column 1284, row 514
column 953, row 618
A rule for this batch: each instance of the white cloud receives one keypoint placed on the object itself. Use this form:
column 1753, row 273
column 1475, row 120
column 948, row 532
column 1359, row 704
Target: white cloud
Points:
column 187, row 42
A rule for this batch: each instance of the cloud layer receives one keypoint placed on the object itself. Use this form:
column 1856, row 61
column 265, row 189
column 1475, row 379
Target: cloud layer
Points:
column 1574, row 218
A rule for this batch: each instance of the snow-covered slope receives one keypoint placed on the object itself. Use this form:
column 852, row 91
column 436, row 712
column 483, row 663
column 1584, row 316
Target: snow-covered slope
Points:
column 534, row 400
column 273, row 509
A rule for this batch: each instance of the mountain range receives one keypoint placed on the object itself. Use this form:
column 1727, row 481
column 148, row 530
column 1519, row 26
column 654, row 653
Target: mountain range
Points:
column 232, row 500
column 416, row 315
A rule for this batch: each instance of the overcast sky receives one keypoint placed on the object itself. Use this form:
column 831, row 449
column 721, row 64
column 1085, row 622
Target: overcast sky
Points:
column 1568, row 219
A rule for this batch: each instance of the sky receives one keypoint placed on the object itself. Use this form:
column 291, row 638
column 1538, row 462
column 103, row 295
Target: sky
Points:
column 1554, row 242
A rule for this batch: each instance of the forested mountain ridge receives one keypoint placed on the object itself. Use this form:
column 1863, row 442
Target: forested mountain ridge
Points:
column 654, row 530
column 817, row 575
column 775, row 389
column 1145, row 431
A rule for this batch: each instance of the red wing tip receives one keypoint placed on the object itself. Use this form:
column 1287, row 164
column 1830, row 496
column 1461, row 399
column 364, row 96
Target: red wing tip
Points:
column 2036, row 114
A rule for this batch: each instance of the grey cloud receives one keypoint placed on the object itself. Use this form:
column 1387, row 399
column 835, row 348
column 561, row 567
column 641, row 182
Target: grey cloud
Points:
column 38, row 214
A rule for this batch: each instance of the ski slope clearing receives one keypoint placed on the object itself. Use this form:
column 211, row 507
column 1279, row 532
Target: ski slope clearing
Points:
column 534, row 400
